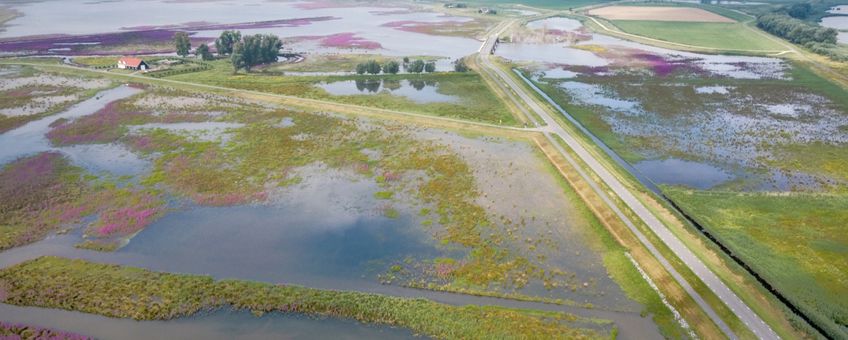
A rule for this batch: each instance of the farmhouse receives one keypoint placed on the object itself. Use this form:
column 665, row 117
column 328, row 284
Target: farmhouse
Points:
column 132, row 63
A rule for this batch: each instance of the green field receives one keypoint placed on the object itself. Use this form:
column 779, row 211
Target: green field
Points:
column 797, row 242
column 478, row 102
column 729, row 36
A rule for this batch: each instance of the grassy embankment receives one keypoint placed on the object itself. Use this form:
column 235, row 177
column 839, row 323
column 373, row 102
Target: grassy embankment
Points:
column 797, row 242
column 477, row 103
column 334, row 62
column 128, row 292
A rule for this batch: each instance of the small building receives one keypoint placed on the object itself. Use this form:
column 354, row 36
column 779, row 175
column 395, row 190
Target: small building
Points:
column 132, row 63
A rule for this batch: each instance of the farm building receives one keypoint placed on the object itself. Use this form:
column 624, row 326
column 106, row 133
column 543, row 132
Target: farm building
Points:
column 132, row 63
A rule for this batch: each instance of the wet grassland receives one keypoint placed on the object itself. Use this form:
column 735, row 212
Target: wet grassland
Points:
column 474, row 101
column 458, row 214
column 751, row 148
column 27, row 95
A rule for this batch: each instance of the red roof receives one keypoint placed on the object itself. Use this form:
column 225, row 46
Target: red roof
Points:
column 130, row 61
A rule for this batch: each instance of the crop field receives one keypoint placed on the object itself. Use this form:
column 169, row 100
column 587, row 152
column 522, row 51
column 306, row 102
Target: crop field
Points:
column 662, row 13
column 719, row 35
column 795, row 241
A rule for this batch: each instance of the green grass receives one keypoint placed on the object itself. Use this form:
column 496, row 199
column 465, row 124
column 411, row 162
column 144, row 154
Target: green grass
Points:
column 718, row 35
column 334, row 63
column 797, row 242
column 127, row 292
column 478, row 102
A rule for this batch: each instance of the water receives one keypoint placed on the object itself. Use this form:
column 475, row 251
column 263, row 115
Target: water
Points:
column 682, row 172
column 216, row 325
column 594, row 95
column 365, row 22
column 549, row 53
column 838, row 22
column 30, row 138
column 419, row 91
column 555, row 23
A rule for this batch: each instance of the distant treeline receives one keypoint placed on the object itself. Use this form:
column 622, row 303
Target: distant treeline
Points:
column 795, row 30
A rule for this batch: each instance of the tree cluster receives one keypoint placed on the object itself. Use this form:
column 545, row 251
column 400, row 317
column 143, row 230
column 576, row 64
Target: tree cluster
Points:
column 459, row 65
column 255, row 50
column 224, row 44
column 419, row 66
column 373, row 67
column 795, row 30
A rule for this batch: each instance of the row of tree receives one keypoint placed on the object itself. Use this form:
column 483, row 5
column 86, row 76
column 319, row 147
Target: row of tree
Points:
column 417, row 66
column 245, row 52
column 795, row 30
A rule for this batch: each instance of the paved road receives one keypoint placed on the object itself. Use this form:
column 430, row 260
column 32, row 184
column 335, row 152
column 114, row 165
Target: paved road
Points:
column 751, row 319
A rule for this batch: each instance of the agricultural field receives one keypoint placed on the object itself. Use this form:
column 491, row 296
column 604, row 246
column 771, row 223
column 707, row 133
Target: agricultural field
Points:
column 710, row 27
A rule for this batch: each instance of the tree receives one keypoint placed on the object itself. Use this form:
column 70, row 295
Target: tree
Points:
column 459, row 65
column 430, row 67
column 406, row 60
column 182, row 43
column 800, row 11
column 416, row 66
column 391, row 67
column 224, row 43
column 373, row 67
column 361, row 68
column 202, row 51
column 237, row 56
column 254, row 50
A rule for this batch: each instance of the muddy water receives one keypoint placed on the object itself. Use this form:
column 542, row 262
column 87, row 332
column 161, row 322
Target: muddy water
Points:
column 30, row 139
column 365, row 22
column 418, row 91
column 216, row 325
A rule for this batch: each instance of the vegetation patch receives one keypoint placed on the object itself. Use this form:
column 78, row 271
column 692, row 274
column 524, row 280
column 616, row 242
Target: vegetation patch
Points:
column 796, row 242
column 128, row 292
column 478, row 102
column 24, row 331
column 717, row 35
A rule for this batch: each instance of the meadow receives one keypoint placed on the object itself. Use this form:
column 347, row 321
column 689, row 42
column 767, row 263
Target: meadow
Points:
column 795, row 241
column 83, row 286
column 478, row 102
column 715, row 35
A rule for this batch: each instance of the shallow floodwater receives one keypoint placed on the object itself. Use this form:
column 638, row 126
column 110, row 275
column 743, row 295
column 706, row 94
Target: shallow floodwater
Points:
column 216, row 325
column 555, row 23
column 549, row 53
column 30, row 139
column 418, row 91
column 365, row 22
column 682, row 172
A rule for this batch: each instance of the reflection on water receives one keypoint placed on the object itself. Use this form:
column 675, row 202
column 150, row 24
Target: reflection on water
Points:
column 215, row 325
column 682, row 172
column 419, row 91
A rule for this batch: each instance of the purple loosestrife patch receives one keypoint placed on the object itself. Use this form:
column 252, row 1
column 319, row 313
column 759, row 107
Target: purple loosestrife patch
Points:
column 10, row 330
column 103, row 126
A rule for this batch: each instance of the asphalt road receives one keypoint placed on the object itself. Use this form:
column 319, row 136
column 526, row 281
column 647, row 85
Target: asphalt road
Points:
column 552, row 127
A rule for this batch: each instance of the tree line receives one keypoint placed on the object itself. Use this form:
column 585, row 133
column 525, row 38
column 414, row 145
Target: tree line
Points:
column 244, row 51
column 393, row 67
column 795, row 30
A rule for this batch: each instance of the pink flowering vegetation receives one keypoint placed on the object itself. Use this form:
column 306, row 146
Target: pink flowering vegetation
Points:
column 38, row 194
column 10, row 331
column 122, row 212
column 104, row 126
column 446, row 27
column 344, row 40
column 111, row 124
